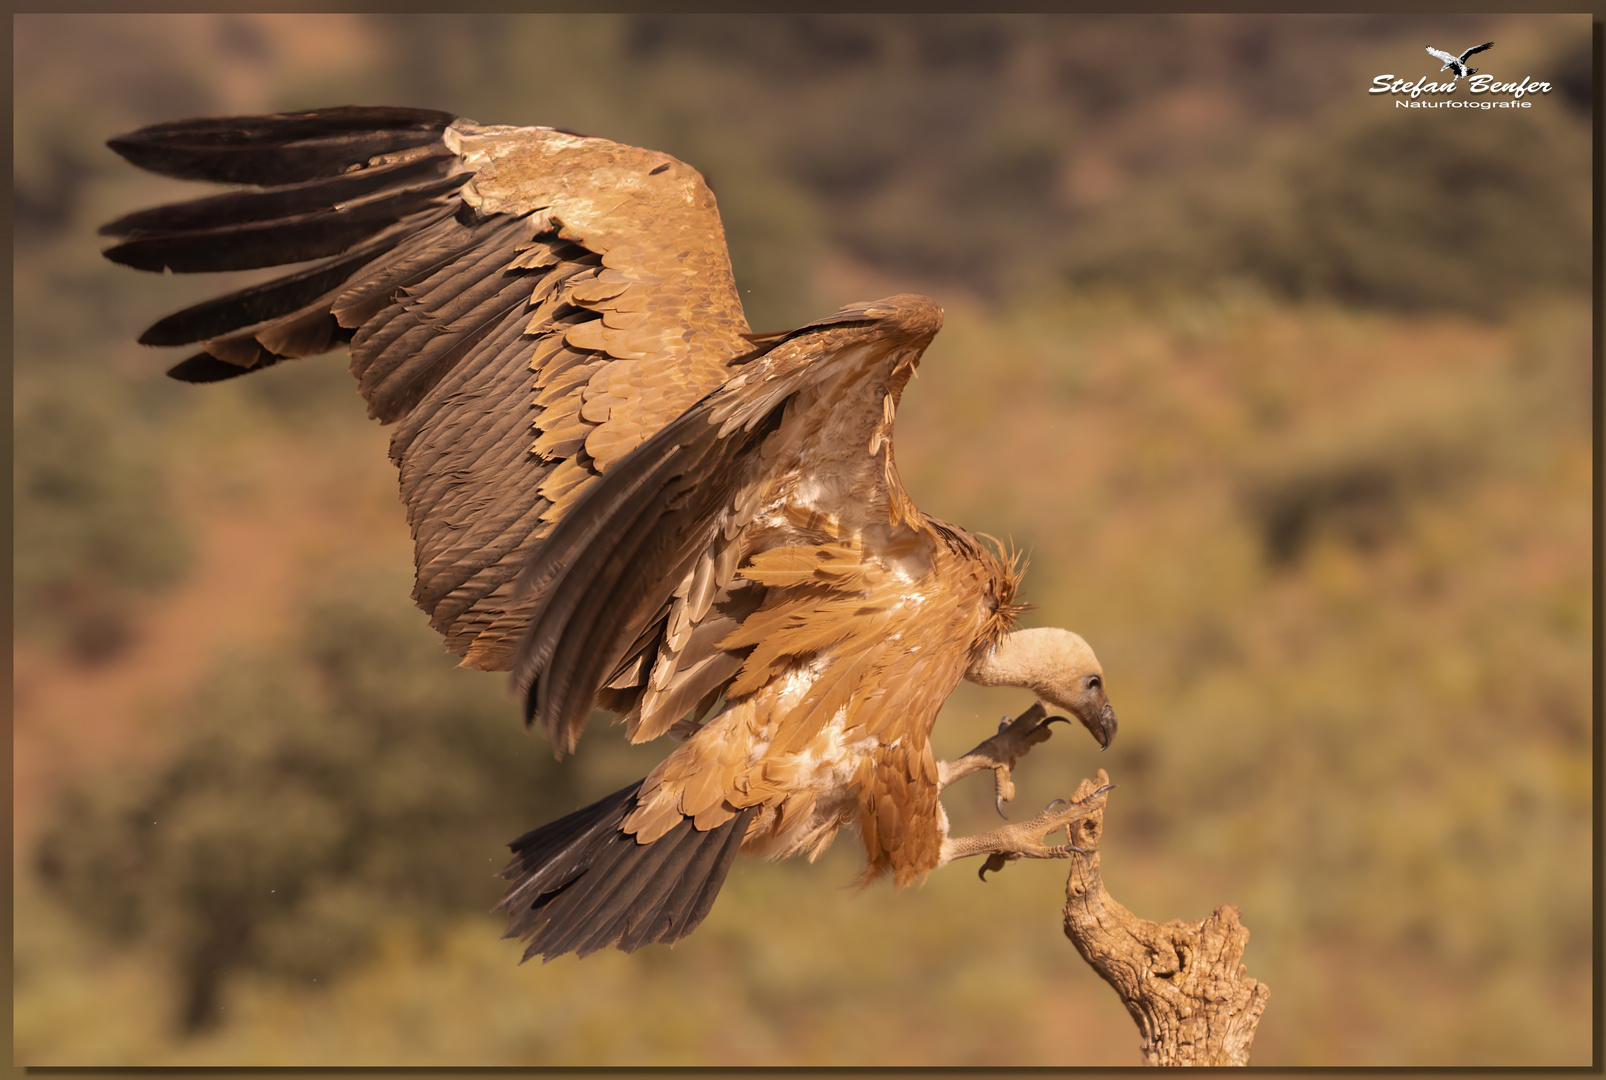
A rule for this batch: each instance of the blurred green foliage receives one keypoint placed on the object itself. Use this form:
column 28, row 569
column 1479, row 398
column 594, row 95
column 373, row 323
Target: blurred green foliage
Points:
column 95, row 527
column 1208, row 357
column 1464, row 217
column 352, row 779
column 1372, row 209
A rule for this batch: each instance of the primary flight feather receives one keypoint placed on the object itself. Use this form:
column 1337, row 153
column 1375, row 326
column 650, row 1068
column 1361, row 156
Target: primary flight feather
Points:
column 621, row 494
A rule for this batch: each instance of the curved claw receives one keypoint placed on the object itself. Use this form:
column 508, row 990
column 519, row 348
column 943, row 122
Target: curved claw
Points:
column 995, row 862
column 1003, row 789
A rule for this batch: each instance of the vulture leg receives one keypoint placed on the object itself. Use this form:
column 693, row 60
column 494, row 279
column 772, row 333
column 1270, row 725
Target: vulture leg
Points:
column 1000, row 753
column 1026, row 840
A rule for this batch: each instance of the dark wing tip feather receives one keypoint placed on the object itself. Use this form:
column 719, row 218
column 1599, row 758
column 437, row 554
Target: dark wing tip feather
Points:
column 245, row 205
column 284, row 148
column 226, row 244
column 205, row 368
column 237, row 310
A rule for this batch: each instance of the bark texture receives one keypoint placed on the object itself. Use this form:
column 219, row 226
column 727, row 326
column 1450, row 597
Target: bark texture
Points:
column 1183, row 983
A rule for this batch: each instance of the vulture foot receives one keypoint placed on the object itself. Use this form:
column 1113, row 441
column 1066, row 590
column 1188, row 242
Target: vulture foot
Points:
column 1000, row 753
column 1027, row 840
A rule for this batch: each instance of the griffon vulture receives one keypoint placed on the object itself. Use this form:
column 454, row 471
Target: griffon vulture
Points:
column 622, row 495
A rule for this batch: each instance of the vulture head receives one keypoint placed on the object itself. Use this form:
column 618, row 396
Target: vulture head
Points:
column 1059, row 667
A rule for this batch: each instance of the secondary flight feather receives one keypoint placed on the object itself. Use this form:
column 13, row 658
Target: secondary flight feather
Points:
column 621, row 494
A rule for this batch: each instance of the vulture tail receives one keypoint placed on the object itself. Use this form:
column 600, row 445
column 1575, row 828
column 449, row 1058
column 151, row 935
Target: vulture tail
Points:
column 581, row 883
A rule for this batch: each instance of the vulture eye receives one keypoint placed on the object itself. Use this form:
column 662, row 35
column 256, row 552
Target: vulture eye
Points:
column 1094, row 682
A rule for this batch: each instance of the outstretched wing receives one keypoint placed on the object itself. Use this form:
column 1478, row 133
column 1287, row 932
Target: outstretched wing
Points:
column 525, row 305
column 641, row 583
column 1448, row 58
column 1477, row 49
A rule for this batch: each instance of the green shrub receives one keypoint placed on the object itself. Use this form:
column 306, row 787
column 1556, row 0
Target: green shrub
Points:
column 94, row 525
column 351, row 779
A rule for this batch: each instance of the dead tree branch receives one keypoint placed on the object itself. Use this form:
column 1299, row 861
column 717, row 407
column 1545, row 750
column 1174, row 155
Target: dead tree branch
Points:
column 1183, row 983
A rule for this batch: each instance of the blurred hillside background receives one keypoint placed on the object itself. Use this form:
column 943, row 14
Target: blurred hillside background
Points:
column 1286, row 390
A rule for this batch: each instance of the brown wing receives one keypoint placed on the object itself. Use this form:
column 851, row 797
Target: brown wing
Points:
column 639, row 586
column 524, row 304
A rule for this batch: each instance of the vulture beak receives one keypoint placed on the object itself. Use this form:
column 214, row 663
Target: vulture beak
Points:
column 1101, row 724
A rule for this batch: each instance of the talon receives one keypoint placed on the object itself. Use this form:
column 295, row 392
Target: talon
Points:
column 1001, row 751
column 1003, row 789
column 995, row 862
column 1030, row 839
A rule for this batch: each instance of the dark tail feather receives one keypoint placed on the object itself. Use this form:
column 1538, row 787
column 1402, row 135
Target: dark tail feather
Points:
column 581, row 883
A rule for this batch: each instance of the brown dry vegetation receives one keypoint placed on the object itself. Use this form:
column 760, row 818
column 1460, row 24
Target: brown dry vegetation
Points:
column 1330, row 535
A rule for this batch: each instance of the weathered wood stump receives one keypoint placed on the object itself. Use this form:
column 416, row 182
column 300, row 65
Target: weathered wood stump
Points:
column 1183, row 983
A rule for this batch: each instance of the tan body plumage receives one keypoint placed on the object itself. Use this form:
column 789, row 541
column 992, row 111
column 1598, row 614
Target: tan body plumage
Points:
column 620, row 493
